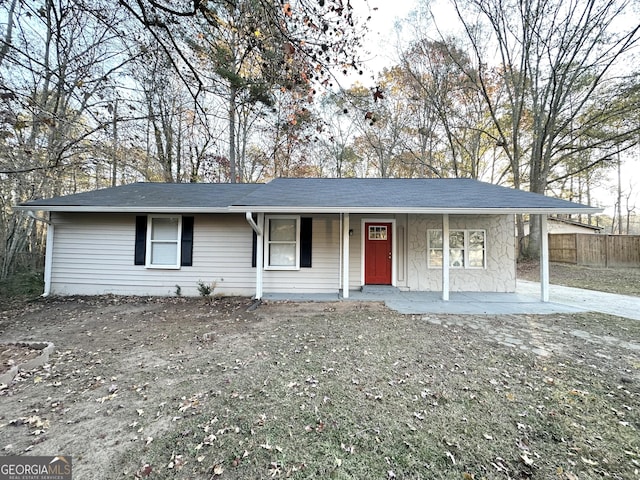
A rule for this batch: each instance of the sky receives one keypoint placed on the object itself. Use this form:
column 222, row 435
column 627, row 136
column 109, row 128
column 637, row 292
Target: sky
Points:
column 383, row 41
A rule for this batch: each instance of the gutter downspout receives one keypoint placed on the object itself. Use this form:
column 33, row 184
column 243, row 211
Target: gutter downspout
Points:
column 48, row 253
column 256, row 228
column 259, row 249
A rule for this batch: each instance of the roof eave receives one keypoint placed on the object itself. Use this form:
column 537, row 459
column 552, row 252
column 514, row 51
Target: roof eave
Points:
column 417, row 210
column 302, row 210
column 135, row 209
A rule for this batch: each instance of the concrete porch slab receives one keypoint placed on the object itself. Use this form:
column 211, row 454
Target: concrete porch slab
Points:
column 467, row 303
column 461, row 303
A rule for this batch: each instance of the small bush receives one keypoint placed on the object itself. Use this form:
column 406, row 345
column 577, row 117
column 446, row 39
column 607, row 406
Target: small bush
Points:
column 206, row 289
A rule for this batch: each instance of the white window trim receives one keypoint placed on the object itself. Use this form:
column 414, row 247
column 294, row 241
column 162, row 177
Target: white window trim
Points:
column 268, row 242
column 465, row 247
column 148, row 263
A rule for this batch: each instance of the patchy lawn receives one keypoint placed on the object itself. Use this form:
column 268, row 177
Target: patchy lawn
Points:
column 178, row 388
column 624, row 281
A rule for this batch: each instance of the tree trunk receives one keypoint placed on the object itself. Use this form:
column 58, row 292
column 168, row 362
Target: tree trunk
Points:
column 232, row 133
column 619, row 196
column 6, row 44
column 114, row 167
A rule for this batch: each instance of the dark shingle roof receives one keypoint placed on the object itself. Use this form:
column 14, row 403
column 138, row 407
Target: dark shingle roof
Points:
column 399, row 194
column 151, row 197
column 305, row 195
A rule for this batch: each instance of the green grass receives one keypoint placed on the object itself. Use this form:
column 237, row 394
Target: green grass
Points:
column 22, row 285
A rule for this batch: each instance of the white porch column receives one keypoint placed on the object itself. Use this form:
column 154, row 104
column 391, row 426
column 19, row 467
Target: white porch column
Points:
column 544, row 259
column 445, row 257
column 259, row 256
column 345, row 255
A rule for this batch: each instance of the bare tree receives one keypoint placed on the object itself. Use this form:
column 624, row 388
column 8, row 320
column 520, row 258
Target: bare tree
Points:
column 381, row 128
column 559, row 64
column 447, row 110
column 335, row 149
column 252, row 47
column 55, row 63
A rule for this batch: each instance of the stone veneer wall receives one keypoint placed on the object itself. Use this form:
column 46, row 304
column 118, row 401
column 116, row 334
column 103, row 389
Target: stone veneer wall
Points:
column 498, row 276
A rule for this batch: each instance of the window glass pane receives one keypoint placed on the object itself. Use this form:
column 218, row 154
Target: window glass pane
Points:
column 456, row 239
column 476, row 248
column 377, row 233
column 476, row 237
column 435, row 238
column 282, row 230
column 476, row 258
column 164, row 253
column 435, row 258
column 456, row 257
column 282, row 255
column 164, row 229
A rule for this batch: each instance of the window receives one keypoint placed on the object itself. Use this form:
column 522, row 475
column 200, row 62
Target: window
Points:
column 466, row 248
column 377, row 232
column 305, row 243
column 163, row 242
column 282, row 243
column 476, row 249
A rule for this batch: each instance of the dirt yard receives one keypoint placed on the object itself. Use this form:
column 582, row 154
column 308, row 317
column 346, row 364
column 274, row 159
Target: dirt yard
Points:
column 182, row 388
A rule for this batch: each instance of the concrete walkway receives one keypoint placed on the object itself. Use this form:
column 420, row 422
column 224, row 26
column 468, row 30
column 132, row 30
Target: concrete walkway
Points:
column 526, row 300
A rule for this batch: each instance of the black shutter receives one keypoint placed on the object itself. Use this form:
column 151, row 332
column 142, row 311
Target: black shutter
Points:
column 186, row 253
column 305, row 241
column 141, row 240
column 254, row 249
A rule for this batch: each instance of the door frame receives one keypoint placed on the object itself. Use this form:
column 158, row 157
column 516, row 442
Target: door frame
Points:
column 394, row 249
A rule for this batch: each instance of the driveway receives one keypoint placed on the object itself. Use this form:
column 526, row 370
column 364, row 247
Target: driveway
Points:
column 586, row 300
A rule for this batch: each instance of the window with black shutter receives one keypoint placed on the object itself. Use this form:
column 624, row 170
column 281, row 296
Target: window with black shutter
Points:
column 164, row 241
column 285, row 247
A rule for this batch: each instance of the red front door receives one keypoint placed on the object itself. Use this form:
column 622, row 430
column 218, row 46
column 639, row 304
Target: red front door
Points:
column 377, row 253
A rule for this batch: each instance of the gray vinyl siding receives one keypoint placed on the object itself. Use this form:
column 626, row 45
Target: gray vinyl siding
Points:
column 324, row 274
column 93, row 255
column 355, row 252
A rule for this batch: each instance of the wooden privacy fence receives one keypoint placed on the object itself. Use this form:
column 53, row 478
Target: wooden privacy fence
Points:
column 595, row 250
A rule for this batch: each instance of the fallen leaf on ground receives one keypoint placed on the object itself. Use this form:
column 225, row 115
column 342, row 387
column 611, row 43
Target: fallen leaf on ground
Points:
column 451, row 457
column 526, row 459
